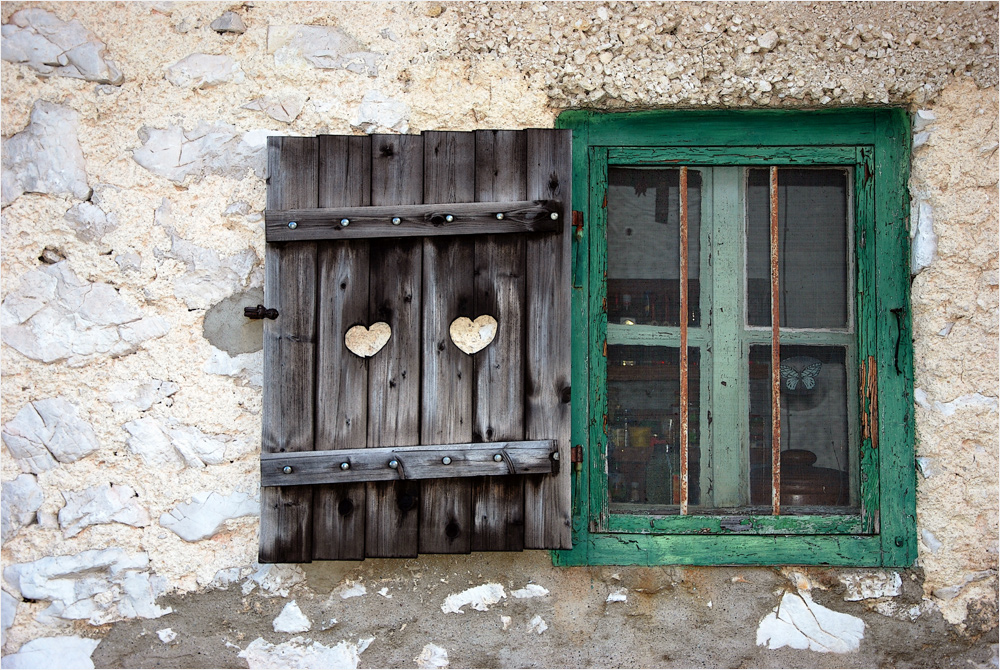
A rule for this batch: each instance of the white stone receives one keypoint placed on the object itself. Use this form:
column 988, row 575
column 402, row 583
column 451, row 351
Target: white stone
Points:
column 864, row 586
column 969, row 401
column 173, row 445
column 99, row 586
column 326, row 47
column 229, row 22
column 209, row 278
column 19, row 503
column 47, row 431
column 53, row 315
column 768, row 40
column 479, row 597
column 216, row 148
column 8, row 612
column 432, row 656
column 379, row 113
column 204, row 71
column 274, row 580
column 285, row 108
column 166, row 635
column 930, row 541
column 58, row 653
column 800, row 623
column 90, row 221
column 249, row 367
column 43, row 42
column 537, row 625
column 45, row 157
column 352, row 590
column 530, row 591
column 301, row 653
column 924, row 240
column 922, row 119
column 207, row 512
column 106, row 503
column 618, row 595
column 292, row 620
column 134, row 396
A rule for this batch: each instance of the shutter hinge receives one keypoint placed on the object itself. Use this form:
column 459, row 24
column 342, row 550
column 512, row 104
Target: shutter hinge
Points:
column 260, row 312
column 578, row 224
column 576, row 454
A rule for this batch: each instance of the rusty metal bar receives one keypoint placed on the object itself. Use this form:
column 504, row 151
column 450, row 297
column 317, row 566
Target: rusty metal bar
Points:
column 775, row 355
column 684, row 339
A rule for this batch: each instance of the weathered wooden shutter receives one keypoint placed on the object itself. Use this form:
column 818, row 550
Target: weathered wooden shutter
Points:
column 416, row 231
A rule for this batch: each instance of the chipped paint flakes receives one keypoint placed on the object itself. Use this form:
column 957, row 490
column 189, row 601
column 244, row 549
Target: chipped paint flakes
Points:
column 865, row 586
column 617, row 595
column 432, row 656
column 799, row 623
column 300, row 652
column 505, row 621
column 537, row 625
column 352, row 590
column 531, row 591
column 384, row 592
column 479, row 597
column 292, row 620
column 166, row 635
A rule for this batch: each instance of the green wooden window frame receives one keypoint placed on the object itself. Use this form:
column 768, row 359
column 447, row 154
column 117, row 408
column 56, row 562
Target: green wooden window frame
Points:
column 874, row 144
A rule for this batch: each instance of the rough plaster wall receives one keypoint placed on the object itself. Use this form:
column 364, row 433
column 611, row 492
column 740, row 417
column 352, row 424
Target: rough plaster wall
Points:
column 174, row 239
column 955, row 349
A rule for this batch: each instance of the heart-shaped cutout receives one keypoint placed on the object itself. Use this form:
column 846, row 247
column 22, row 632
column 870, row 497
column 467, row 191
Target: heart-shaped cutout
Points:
column 472, row 336
column 366, row 342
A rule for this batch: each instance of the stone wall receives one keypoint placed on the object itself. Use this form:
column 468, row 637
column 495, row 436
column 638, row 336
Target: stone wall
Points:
column 132, row 193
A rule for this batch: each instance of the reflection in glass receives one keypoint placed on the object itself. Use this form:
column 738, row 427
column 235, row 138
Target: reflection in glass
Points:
column 813, row 248
column 815, row 448
column 643, row 426
column 644, row 246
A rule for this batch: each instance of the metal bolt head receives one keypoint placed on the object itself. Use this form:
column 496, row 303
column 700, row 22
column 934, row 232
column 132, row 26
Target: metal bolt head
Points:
column 394, row 464
column 345, row 222
column 396, row 221
column 446, row 460
column 554, row 215
column 345, row 466
column 499, row 216
column 293, row 225
column 287, row 469
column 555, row 455
column 449, row 218
column 497, row 457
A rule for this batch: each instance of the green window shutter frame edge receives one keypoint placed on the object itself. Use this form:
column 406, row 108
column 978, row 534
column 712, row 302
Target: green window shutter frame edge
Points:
column 885, row 135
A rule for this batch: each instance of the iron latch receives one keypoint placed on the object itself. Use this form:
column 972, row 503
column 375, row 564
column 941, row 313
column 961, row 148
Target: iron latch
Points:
column 260, row 312
column 576, row 454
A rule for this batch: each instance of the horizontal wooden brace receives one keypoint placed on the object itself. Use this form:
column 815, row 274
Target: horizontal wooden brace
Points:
column 437, row 461
column 461, row 218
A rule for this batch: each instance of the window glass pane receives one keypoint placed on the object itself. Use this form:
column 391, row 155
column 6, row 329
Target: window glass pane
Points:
column 813, row 249
column 816, row 457
column 644, row 246
column 644, row 427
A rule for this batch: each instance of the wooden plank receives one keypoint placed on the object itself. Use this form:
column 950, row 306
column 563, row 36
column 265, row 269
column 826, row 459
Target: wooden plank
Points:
column 498, row 503
column 391, row 523
column 342, row 377
column 446, row 376
column 467, row 459
column 548, row 523
column 477, row 218
column 289, row 353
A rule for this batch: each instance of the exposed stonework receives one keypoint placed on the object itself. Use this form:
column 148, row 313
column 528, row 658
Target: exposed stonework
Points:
column 45, row 157
column 128, row 313
column 40, row 40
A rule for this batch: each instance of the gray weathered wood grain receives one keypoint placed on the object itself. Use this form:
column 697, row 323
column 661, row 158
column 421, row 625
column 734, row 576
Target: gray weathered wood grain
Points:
column 394, row 374
column 548, row 521
column 498, row 503
column 341, row 377
column 446, row 377
column 289, row 353
column 417, row 462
